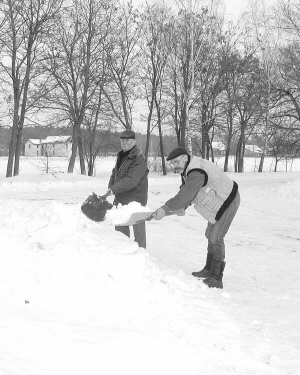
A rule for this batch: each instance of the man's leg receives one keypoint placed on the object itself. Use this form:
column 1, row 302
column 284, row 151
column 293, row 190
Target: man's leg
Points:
column 205, row 272
column 140, row 234
column 208, row 233
column 123, row 229
column 220, row 228
column 216, row 236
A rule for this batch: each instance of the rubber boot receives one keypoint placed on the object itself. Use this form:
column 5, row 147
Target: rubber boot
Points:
column 205, row 272
column 216, row 275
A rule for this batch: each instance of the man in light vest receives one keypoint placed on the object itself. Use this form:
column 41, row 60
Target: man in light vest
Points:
column 215, row 197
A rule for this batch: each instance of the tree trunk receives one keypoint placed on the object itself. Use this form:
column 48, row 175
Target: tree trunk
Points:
column 203, row 133
column 149, row 124
column 74, row 148
column 188, row 130
column 24, row 104
column 240, row 150
column 275, row 167
column 207, row 146
column 18, row 151
column 229, row 139
column 182, row 127
column 14, row 132
column 176, row 106
column 212, row 153
column 161, row 144
column 227, row 154
column 11, row 155
column 125, row 111
column 11, row 152
column 261, row 162
column 238, row 159
column 90, row 167
column 80, row 152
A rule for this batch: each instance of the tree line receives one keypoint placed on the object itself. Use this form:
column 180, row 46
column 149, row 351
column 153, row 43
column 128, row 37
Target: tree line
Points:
column 101, row 65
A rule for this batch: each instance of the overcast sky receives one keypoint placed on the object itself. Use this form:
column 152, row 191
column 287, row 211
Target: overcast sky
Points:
column 234, row 8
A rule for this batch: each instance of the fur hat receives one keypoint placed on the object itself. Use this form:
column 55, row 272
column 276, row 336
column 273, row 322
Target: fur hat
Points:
column 129, row 134
column 177, row 152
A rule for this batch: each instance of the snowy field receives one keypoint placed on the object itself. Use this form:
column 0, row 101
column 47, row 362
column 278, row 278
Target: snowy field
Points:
column 78, row 298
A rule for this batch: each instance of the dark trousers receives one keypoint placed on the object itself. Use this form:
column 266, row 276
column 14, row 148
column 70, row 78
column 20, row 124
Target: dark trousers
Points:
column 139, row 231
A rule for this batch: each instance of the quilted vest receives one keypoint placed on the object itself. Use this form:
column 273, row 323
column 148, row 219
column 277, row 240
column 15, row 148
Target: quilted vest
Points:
column 216, row 194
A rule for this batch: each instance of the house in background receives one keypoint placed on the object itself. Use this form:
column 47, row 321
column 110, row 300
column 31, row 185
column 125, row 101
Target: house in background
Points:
column 33, row 147
column 253, row 150
column 218, row 148
column 57, row 146
column 53, row 146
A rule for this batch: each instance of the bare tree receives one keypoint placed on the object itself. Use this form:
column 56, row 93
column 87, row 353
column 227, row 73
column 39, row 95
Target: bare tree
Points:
column 24, row 26
column 249, row 93
column 122, row 58
column 194, row 33
column 156, row 23
column 229, row 64
column 74, row 62
column 287, row 85
column 97, row 123
column 266, row 40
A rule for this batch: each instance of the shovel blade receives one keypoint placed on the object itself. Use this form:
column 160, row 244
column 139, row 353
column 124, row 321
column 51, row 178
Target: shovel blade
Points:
column 95, row 207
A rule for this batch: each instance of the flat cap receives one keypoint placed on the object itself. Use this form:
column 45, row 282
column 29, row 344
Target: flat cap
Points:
column 129, row 134
column 177, row 152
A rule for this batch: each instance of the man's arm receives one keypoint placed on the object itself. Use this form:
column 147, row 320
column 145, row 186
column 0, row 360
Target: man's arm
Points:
column 112, row 177
column 185, row 196
column 187, row 193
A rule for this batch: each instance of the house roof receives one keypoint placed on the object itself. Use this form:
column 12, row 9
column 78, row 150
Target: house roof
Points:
column 253, row 148
column 35, row 141
column 218, row 145
column 57, row 139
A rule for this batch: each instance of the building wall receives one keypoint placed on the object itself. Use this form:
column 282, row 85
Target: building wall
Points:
column 218, row 152
column 57, row 149
column 252, row 154
column 32, row 149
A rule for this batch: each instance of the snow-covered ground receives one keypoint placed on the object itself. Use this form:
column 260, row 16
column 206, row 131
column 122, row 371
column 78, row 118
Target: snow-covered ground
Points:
column 77, row 297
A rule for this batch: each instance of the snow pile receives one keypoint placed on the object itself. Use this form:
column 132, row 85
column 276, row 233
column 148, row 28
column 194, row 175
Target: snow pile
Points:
column 66, row 281
column 77, row 297
column 291, row 190
column 121, row 214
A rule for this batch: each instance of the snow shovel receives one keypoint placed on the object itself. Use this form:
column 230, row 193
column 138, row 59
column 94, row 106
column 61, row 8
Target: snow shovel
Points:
column 95, row 207
column 139, row 217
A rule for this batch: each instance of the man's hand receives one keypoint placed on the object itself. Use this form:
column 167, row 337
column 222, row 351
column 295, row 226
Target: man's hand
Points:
column 108, row 193
column 159, row 213
column 181, row 212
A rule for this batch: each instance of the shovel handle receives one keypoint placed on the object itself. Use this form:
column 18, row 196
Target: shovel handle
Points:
column 147, row 219
column 170, row 213
column 108, row 193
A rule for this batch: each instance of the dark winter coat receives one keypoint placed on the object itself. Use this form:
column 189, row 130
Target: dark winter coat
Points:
column 129, row 178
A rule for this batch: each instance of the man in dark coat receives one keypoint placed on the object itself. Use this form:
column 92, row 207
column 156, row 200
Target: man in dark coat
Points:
column 129, row 181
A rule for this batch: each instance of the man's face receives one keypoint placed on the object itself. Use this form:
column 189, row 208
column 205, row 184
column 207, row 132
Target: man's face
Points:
column 127, row 143
column 178, row 164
